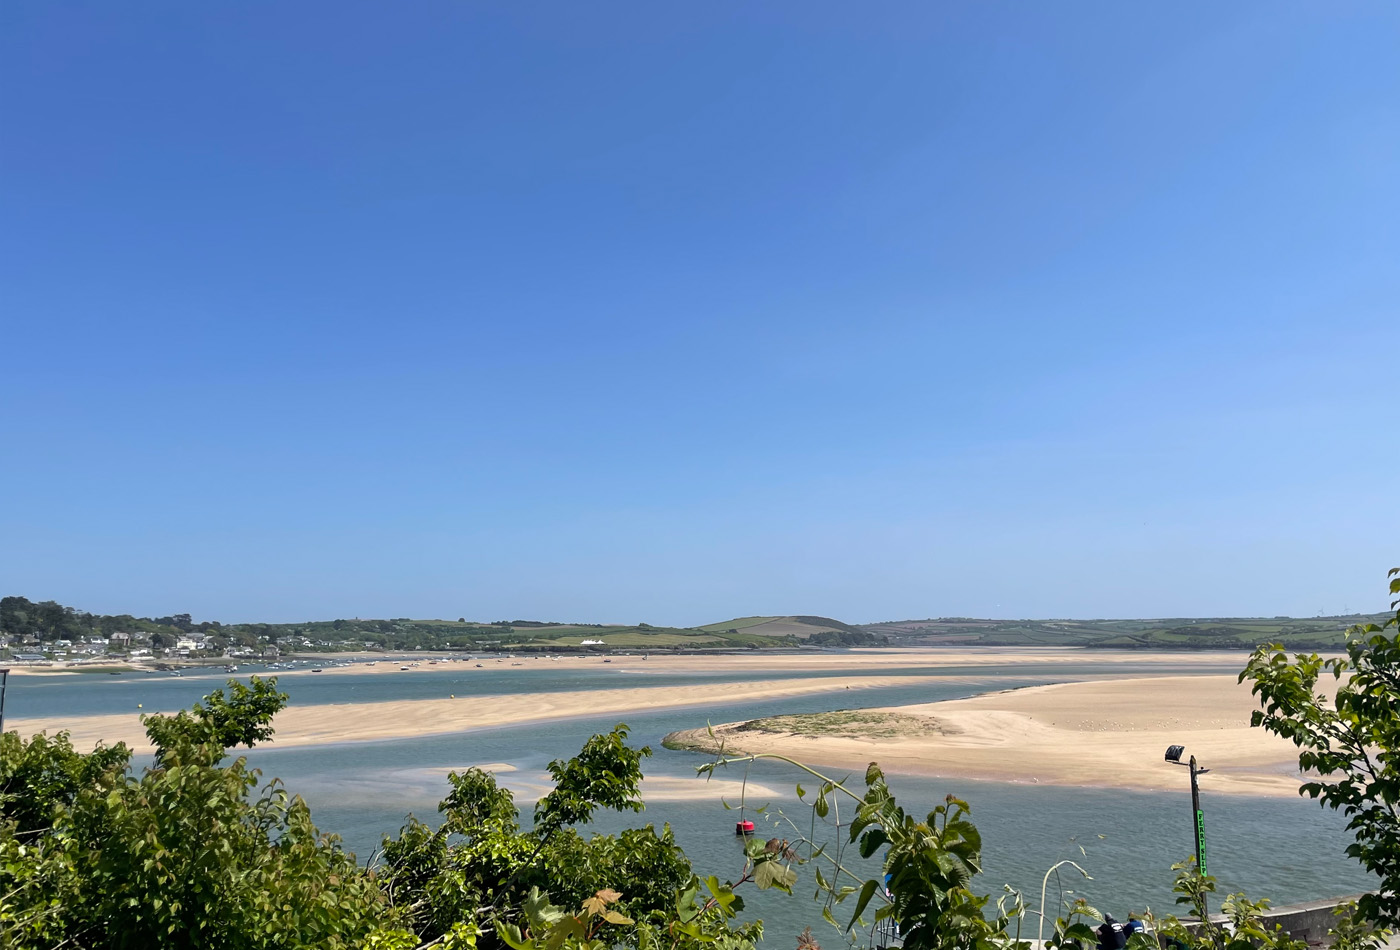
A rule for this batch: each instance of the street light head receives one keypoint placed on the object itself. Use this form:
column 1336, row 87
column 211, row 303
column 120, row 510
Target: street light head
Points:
column 1174, row 753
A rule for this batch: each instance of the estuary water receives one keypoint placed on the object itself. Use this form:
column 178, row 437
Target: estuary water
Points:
column 1284, row 849
column 89, row 694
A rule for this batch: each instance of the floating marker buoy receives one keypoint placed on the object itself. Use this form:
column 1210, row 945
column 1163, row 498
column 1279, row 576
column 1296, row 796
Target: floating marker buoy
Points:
column 743, row 827
column 138, row 705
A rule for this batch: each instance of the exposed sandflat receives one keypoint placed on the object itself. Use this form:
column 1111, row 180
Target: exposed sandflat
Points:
column 1108, row 732
column 1104, row 733
column 310, row 725
column 1074, row 659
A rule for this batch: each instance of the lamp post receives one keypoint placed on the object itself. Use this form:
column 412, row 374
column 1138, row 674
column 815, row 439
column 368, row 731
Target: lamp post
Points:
column 4, row 681
column 1198, row 818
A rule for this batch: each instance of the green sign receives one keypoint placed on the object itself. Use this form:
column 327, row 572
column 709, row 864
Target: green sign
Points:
column 1201, row 841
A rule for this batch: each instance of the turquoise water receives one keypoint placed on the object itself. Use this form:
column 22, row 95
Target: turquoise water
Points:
column 1287, row 850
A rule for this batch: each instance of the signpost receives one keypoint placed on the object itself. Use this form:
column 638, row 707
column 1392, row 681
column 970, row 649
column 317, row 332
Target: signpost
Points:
column 1198, row 817
column 1200, row 821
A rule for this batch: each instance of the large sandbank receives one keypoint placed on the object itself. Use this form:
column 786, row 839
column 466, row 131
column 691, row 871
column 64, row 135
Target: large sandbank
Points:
column 1106, row 733
column 756, row 661
column 317, row 724
column 1074, row 659
column 1110, row 731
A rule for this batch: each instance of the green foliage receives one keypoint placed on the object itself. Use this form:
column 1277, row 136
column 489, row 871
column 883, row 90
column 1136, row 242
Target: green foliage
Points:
column 476, row 802
column 549, row 928
column 480, row 867
column 1203, row 633
column 1244, row 928
column 45, row 621
column 605, row 774
column 42, row 777
column 179, row 856
column 702, row 916
column 1351, row 739
column 1074, row 930
column 845, row 638
column 926, row 872
column 928, row 869
column 696, row 919
column 204, row 733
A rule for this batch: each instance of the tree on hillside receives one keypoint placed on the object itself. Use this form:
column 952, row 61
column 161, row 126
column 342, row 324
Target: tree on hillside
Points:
column 1351, row 739
column 15, row 614
column 181, row 622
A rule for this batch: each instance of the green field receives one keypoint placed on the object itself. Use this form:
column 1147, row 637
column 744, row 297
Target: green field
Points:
column 46, row 622
column 820, row 630
column 1218, row 633
column 739, row 623
column 631, row 639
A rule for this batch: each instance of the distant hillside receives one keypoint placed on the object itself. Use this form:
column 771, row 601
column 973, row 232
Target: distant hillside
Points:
column 26, row 626
column 792, row 626
column 1208, row 633
column 811, row 630
column 54, row 629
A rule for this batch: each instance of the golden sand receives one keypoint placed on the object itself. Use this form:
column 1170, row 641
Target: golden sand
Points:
column 1108, row 733
column 317, row 724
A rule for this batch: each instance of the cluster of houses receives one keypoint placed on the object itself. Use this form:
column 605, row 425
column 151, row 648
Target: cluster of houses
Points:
column 132, row 646
column 31, row 649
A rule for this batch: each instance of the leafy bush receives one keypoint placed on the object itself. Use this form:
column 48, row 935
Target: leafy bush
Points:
column 179, row 856
column 1350, row 739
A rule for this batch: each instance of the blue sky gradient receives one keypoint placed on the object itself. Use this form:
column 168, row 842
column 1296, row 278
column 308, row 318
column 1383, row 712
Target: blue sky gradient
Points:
column 671, row 313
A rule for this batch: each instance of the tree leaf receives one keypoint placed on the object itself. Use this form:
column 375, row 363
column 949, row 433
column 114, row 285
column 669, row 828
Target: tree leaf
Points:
column 867, row 891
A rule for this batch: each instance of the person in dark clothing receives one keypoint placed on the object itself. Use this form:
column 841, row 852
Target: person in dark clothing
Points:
column 1112, row 934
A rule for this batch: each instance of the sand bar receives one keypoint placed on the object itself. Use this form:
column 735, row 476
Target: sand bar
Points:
column 756, row 661
column 1109, row 732
column 1106, row 733
column 316, row 724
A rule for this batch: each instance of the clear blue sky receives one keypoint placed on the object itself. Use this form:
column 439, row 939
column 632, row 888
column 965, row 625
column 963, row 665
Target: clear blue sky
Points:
column 675, row 312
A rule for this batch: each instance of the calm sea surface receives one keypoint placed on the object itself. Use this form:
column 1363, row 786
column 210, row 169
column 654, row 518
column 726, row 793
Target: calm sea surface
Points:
column 1287, row 850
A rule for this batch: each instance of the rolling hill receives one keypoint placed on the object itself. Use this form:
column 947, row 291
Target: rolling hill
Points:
column 797, row 626
column 25, row 623
column 1186, row 633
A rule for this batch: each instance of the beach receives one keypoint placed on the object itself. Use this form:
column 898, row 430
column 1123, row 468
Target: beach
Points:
column 350, row 722
column 1105, row 733
column 1097, row 727
column 755, row 661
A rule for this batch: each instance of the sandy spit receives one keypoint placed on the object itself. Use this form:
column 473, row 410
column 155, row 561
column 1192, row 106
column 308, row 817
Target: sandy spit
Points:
column 317, row 724
column 1107, row 734
column 1072, row 658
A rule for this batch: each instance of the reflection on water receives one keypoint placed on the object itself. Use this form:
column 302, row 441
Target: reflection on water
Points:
column 1287, row 850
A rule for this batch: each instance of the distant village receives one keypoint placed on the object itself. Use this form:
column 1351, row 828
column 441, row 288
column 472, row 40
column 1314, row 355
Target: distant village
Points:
column 139, row 645
column 46, row 632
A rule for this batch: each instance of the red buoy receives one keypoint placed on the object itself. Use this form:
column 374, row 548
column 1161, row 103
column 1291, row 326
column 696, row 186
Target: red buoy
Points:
column 743, row 827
